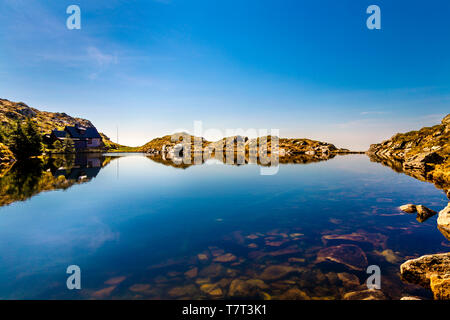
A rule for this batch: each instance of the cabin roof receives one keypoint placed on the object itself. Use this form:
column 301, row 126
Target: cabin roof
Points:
column 59, row 134
column 83, row 133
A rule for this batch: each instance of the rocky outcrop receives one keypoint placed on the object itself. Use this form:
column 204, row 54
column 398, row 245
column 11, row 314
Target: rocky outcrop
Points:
column 423, row 154
column 443, row 221
column 430, row 271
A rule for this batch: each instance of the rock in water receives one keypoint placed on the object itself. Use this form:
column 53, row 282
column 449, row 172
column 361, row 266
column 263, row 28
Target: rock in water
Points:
column 430, row 271
column 294, row 294
column 423, row 213
column 247, row 288
column 443, row 221
column 370, row 294
column 346, row 254
column 277, row 272
column 408, row 208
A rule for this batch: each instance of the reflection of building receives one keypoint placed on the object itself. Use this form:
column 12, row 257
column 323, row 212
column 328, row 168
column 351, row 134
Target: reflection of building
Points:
column 83, row 138
column 84, row 166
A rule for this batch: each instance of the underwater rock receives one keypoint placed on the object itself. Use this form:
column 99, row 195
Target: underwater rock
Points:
column 247, row 288
column 139, row 287
column 429, row 271
column 424, row 213
column 228, row 257
column 189, row 290
column 115, row 280
column 370, row 294
column 202, row 257
column 297, row 260
column 389, row 255
column 409, row 208
column 192, row 273
column 277, row 272
column 377, row 240
column 443, row 221
column 212, row 271
column 275, row 243
column 348, row 255
column 286, row 251
column 294, row 294
column 211, row 289
column 103, row 293
column 348, row 280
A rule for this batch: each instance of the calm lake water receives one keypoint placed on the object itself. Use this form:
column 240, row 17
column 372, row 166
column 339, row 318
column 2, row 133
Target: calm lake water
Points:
column 140, row 229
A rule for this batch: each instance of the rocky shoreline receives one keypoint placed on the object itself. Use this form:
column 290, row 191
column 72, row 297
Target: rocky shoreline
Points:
column 422, row 154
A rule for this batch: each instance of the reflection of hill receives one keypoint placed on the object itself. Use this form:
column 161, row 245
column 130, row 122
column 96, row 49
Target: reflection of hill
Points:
column 239, row 159
column 26, row 179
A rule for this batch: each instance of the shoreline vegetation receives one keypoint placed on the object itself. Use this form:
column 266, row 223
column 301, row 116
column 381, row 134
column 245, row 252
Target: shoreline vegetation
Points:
column 423, row 154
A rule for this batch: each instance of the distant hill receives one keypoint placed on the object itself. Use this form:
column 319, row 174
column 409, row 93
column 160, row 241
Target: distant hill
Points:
column 424, row 154
column 10, row 112
column 287, row 147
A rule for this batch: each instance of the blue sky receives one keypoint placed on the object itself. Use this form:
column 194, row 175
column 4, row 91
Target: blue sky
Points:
column 309, row 68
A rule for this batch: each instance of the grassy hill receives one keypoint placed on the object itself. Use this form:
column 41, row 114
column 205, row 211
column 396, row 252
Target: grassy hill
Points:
column 11, row 112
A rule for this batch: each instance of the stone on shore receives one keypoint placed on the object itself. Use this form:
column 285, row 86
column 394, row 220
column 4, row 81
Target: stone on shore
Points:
column 429, row 271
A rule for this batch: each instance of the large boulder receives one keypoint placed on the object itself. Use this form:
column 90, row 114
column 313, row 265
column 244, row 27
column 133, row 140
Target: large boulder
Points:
column 443, row 221
column 429, row 271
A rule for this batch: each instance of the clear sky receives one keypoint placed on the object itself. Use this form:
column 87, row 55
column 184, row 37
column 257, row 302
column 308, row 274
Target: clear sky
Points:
column 309, row 68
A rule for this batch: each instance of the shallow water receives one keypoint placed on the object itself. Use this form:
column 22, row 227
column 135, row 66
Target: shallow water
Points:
column 136, row 226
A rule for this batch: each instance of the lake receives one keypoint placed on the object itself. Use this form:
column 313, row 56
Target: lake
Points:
column 142, row 229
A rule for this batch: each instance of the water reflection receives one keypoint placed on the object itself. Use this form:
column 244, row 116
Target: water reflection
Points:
column 28, row 178
column 236, row 159
column 211, row 232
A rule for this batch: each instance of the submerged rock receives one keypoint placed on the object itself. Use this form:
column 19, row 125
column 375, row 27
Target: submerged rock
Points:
column 429, row 271
column 443, row 221
column 370, row 294
column 348, row 255
column 189, row 290
column 348, row 280
column 192, row 273
column 103, row 293
column 409, row 208
column 410, row 298
column 376, row 240
column 277, row 272
column 247, row 288
column 139, row 287
column 389, row 255
column 294, row 294
column 115, row 280
column 228, row 257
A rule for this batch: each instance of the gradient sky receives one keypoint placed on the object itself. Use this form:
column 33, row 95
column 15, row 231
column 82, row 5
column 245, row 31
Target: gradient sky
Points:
column 309, row 68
